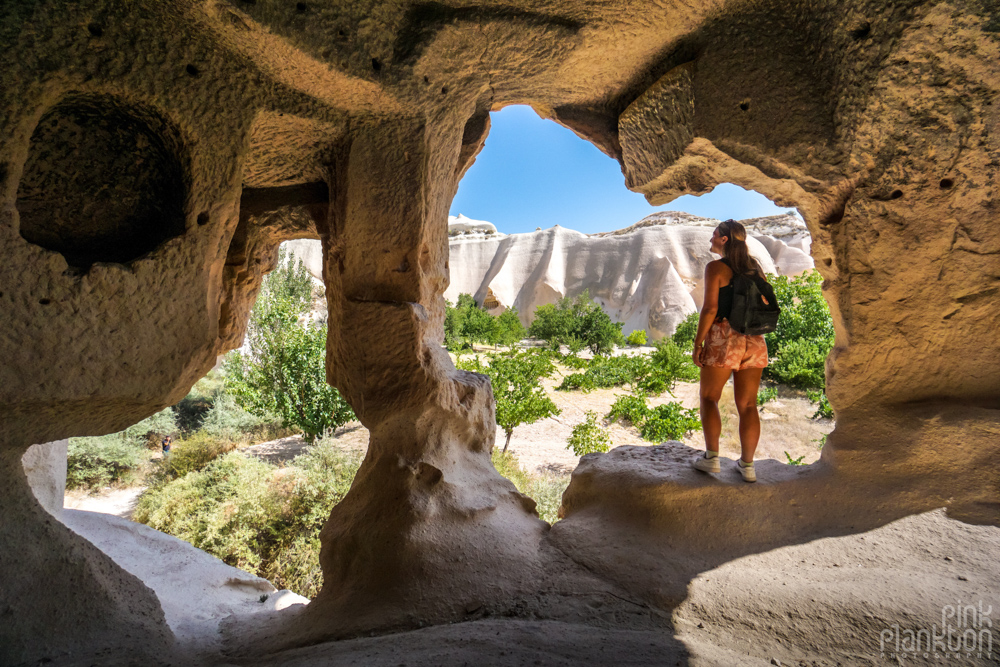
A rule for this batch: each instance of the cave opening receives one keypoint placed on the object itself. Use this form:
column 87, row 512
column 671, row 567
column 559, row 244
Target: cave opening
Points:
column 542, row 216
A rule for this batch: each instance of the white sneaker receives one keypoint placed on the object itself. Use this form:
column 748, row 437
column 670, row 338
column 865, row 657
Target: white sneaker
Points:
column 705, row 464
column 749, row 475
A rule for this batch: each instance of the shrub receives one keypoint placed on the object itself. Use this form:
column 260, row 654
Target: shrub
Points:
column 766, row 395
column 606, row 372
column 576, row 322
column 670, row 421
column 823, row 407
column 193, row 453
column 582, row 381
column 151, row 430
column 255, row 516
column 95, row 462
column 804, row 336
column 617, row 371
column 227, row 420
column 514, row 376
column 686, row 331
column 637, row 337
column 794, row 462
column 651, row 374
column 669, row 364
column 220, row 509
column 588, row 436
column 800, row 363
column 629, row 408
column 571, row 360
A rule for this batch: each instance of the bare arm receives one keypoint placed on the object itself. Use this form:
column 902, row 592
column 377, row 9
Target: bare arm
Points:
column 710, row 306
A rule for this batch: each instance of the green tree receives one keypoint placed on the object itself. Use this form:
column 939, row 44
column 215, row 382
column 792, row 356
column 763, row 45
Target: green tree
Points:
column 686, row 331
column 637, row 337
column 466, row 323
column 284, row 372
column 507, row 329
column 574, row 322
column 588, row 436
column 515, row 376
column 804, row 336
column 550, row 324
column 477, row 325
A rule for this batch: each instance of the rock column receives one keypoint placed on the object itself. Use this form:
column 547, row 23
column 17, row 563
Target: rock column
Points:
column 429, row 527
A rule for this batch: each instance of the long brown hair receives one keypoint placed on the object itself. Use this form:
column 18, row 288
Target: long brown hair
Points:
column 735, row 249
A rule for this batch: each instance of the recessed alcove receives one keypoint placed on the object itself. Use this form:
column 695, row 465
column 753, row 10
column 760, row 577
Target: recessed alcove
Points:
column 104, row 181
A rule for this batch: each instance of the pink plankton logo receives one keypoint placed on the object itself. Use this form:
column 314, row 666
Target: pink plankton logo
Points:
column 966, row 632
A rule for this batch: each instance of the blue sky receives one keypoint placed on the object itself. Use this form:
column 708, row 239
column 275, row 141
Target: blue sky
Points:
column 535, row 173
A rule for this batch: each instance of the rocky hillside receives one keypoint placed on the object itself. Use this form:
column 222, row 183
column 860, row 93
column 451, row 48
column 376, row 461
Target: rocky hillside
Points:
column 647, row 276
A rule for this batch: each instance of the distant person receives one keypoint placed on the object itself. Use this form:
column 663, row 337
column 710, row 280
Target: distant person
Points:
column 165, row 445
column 721, row 351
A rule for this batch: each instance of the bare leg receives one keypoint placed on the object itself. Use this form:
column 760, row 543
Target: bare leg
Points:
column 747, row 382
column 712, row 381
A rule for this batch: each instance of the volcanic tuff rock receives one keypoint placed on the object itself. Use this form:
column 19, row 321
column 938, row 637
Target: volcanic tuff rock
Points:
column 154, row 154
column 647, row 276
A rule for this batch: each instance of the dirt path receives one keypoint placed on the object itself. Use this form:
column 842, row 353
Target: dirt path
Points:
column 786, row 426
column 119, row 502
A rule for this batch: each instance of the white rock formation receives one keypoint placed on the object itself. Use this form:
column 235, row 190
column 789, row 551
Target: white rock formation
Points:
column 310, row 251
column 648, row 276
column 45, row 468
column 459, row 224
column 196, row 591
column 785, row 236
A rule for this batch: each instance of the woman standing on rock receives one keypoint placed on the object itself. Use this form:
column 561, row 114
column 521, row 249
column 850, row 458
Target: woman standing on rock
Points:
column 720, row 351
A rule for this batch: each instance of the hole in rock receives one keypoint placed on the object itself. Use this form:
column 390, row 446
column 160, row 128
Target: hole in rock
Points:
column 284, row 458
column 300, row 7
column 895, row 194
column 861, row 31
column 946, row 183
column 95, row 30
column 745, row 106
column 376, row 65
column 203, row 218
column 192, row 70
column 103, row 181
column 542, row 215
column 45, row 302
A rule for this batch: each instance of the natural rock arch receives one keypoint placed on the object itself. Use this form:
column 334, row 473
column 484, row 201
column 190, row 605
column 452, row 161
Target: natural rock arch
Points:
column 873, row 118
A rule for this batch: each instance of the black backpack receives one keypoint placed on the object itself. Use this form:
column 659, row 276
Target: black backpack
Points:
column 755, row 308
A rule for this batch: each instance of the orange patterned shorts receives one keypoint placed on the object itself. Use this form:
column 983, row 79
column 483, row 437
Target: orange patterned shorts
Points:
column 725, row 348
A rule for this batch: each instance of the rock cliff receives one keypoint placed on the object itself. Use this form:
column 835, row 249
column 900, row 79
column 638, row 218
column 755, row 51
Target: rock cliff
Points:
column 648, row 276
